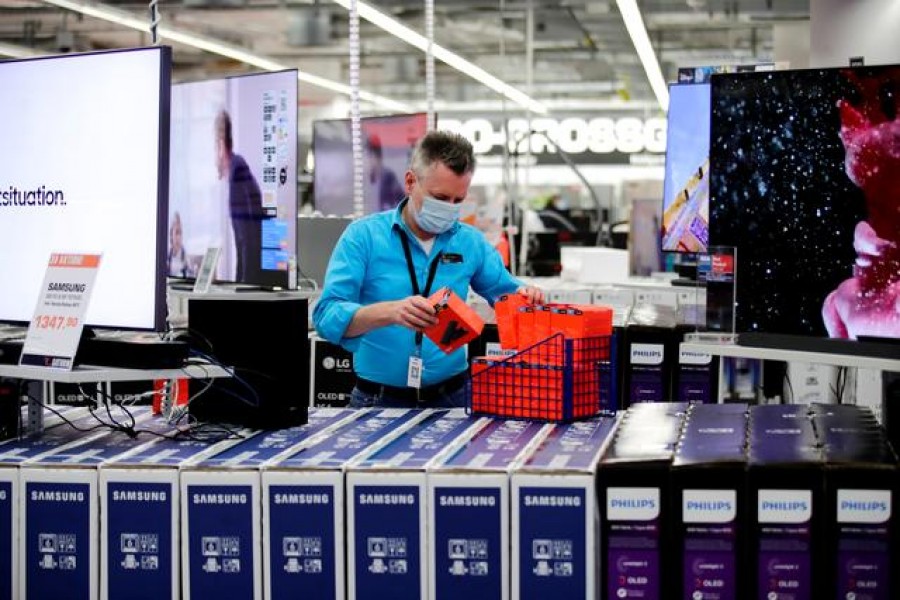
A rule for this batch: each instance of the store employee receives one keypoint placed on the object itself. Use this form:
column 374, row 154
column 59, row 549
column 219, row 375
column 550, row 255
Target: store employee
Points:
column 373, row 302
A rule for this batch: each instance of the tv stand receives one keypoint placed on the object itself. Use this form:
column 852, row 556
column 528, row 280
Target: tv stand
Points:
column 791, row 355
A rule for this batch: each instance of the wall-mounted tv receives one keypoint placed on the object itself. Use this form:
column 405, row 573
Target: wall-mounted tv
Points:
column 387, row 145
column 685, row 222
column 84, row 168
column 805, row 173
column 234, row 176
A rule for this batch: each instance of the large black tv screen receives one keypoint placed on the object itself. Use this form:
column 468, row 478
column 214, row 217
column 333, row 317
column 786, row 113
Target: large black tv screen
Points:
column 805, row 182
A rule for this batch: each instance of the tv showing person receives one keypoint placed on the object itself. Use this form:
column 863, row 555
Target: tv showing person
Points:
column 178, row 262
column 382, row 186
column 868, row 302
column 244, row 201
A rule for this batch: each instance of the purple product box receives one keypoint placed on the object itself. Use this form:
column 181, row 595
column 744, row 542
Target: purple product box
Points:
column 697, row 377
column 861, row 483
column 634, row 494
column 785, row 486
column 710, row 503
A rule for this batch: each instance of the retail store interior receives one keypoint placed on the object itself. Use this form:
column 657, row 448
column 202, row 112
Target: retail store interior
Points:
column 702, row 403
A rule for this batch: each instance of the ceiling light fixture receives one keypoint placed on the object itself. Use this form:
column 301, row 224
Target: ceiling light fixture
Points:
column 404, row 33
column 127, row 19
column 638, row 32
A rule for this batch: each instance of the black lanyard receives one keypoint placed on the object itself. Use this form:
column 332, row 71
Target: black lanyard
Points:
column 432, row 269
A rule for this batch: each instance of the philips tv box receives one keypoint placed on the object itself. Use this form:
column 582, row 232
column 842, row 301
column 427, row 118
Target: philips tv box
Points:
column 710, row 502
column 861, row 484
column 785, row 486
column 633, row 489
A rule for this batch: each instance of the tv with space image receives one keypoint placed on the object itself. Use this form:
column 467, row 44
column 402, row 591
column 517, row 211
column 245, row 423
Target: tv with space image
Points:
column 233, row 179
column 805, row 168
column 685, row 222
column 84, row 169
column 387, row 146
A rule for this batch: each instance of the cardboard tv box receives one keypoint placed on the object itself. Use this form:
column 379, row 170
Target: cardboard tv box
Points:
column 468, row 511
column 555, row 527
column 303, row 505
column 387, row 536
column 710, row 504
column 221, row 524
column 634, row 491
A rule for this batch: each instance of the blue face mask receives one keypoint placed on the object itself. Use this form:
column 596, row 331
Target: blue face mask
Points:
column 436, row 216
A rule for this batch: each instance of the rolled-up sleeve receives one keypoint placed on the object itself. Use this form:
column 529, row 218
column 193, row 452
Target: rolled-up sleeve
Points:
column 491, row 279
column 340, row 297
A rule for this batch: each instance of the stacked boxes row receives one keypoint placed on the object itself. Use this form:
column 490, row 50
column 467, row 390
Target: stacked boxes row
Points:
column 766, row 502
column 703, row 502
column 356, row 504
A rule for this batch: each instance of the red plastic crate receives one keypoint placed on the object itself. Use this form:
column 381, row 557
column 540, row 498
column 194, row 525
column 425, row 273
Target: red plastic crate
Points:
column 558, row 379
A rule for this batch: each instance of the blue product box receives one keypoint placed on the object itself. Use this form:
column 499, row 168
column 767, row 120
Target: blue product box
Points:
column 59, row 515
column 468, row 511
column 221, row 526
column 140, row 542
column 387, row 507
column 555, row 526
column 303, row 505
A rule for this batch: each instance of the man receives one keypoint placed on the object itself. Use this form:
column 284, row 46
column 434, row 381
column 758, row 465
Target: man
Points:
column 383, row 188
column 244, row 202
column 373, row 301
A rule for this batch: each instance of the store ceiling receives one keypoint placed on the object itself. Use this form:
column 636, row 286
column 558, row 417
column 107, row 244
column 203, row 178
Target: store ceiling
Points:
column 581, row 50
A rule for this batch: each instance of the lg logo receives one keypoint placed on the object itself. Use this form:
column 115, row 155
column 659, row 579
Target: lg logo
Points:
column 329, row 362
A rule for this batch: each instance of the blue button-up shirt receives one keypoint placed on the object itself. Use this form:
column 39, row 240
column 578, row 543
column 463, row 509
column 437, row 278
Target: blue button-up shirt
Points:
column 368, row 265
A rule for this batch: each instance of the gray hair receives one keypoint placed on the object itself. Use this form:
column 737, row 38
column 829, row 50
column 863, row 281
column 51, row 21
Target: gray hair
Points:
column 450, row 149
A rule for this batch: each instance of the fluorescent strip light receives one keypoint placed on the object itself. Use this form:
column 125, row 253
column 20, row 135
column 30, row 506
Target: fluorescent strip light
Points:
column 402, row 32
column 638, row 32
column 212, row 46
column 15, row 51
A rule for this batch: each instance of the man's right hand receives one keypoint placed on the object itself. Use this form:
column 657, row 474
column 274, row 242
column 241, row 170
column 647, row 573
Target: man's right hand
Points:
column 414, row 312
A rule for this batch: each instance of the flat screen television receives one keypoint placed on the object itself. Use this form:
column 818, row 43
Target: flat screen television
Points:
column 805, row 173
column 685, row 222
column 84, row 169
column 387, row 146
column 233, row 178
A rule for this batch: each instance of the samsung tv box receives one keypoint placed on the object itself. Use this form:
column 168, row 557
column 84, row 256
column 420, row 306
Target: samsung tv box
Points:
column 223, row 540
column 303, row 504
column 468, row 511
column 397, row 470
column 555, row 526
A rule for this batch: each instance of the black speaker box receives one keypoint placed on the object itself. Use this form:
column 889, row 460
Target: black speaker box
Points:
column 265, row 342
